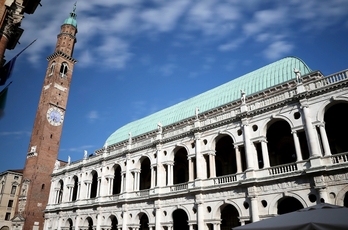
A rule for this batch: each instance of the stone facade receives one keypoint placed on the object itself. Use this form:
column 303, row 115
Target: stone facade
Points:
column 10, row 181
column 269, row 153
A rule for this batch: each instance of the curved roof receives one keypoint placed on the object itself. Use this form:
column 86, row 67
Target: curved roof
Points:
column 253, row 82
column 72, row 19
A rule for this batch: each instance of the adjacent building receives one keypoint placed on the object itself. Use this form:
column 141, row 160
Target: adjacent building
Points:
column 10, row 181
column 266, row 143
column 11, row 15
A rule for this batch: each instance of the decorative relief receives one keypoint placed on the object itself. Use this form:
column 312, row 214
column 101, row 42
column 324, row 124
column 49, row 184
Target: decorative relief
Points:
column 61, row 88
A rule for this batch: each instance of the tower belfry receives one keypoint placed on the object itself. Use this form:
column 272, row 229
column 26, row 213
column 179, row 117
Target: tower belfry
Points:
column 45, row 138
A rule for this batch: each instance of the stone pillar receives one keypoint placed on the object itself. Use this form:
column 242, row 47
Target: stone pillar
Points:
column 323, row 194
column 123, row 174
column 153, row 176
column 98, row 186
column 190, row 164
column 249, row 149
column 200, row 211
column 311, row 134
column 125, row 216
column 128, row 183
column 99, row 221
column 161, row 172
column 78, row 190
column 238, row 159
column 200, row 161
column 254, row 209
column 212, row 164
column 158, row 214
column 297, row 146
column 326, row 145
column 170, row 173
column 265, row 156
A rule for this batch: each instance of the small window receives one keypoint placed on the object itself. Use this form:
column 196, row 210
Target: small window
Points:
column 13, row 189
column 10, row 203
column 16, row 177
column 52, row 68
column 63, row 69
column 8, row 216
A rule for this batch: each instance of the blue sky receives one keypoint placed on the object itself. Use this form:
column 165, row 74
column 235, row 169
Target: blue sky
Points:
column 136, row 57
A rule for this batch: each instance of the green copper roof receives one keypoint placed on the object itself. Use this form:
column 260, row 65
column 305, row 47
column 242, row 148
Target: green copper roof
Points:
column 253, row 82
column 72, row 19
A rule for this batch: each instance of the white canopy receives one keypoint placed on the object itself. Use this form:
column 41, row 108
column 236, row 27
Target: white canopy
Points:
column 317, row 217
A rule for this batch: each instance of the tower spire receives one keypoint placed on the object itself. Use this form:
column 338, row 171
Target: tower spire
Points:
column 72, row 19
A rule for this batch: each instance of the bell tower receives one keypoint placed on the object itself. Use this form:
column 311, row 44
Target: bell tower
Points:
column 45, row 138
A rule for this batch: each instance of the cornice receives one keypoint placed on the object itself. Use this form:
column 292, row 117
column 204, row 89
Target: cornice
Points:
column 61, row 54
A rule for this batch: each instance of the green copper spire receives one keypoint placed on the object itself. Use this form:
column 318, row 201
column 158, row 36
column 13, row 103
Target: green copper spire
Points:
column 72, row 19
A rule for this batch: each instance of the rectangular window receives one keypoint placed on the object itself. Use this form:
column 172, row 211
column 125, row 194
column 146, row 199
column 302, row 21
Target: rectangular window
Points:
column 8, row 216
column 10, row 203
column 13, row 189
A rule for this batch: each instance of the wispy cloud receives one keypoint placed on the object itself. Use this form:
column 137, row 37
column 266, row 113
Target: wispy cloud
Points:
column 227, row 24
column 78, row 149
column 15, row 133
column 92, row 116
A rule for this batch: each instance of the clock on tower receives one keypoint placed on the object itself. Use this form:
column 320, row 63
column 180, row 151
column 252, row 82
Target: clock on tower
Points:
column 47, row 130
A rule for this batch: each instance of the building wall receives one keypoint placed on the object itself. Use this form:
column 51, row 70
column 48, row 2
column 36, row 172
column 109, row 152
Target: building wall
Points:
column 246, row 161
column 9, row 191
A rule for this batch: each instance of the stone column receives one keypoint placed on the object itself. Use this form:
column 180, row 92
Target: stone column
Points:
column 153, row 176
column 311, row 134
column 323, row 194
column 170, row 173
column 78, row 190
column 128, row 183
column 190, row 164
column 200, row 211
column 212, row 164
column 123, row 174
column 297, row 146
column 249, row 149
column 98, row 186
column 238, row 159
column 326, row 145
column 161, row 172
column 254, row 209
column 125, row 216
column 158, row 214
column 265, row 156
column 200, row 161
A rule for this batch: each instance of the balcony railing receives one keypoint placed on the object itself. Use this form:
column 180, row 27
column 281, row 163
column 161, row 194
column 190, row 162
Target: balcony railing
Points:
column 178, row 187
column 283, row 169
column 339, row 158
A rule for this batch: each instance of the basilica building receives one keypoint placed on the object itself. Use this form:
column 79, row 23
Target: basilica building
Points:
column 264, row 144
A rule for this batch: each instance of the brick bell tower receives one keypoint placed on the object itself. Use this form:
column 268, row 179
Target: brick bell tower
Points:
column 45, row 138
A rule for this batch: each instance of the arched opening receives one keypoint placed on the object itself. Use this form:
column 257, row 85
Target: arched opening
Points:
column 90, row 223
column 145, row 174
column 345, row 200
column 114, row 222
column 75, row 189
column 336, row 119
column 181, row 174
column 229, row 217
column 117, row 180
column 225, row 158
column 180, row 220
column 288, row 204
column 63, row 69
column 94, row 185
column 70, row 224
column 281, row 145
column 60, row 193
column 144, row 222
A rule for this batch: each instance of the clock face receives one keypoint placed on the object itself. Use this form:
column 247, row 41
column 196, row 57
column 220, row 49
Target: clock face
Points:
column 55, row 116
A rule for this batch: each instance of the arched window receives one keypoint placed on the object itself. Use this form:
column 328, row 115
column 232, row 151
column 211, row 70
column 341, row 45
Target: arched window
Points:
column 60, row 192
column 52, row 68
column 63, row 69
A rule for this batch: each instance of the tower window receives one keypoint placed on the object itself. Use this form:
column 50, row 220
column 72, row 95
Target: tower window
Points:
column 63, row 69
column 52, row 68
